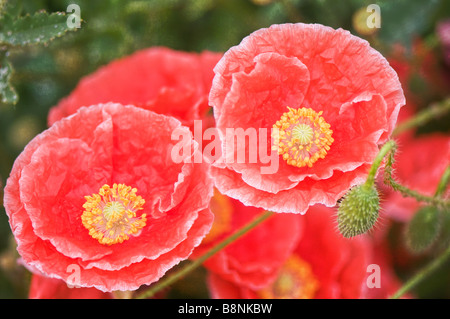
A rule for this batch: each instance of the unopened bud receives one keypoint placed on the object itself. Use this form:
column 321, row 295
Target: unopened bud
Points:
column 358, row 211
column 423, row 229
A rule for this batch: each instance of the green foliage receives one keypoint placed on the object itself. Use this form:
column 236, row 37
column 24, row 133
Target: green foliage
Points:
column 7, row 92
column 39, row 28
column 405, row 20
column 19, row 31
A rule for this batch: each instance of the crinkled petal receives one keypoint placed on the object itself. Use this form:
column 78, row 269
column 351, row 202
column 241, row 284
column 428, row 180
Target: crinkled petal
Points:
column 254, row 259
column 160, row 79
column 351, row 83
column 296, row 200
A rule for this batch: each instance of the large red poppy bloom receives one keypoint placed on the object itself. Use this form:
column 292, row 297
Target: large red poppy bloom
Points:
column 254, row 259
column 159, row 79
column 322, row 265
column 332, row 98
column 97, row 201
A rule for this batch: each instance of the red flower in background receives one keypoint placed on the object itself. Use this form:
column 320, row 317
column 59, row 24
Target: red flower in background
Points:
column 42, row 287
column 159, row 79
column 424, row 76
column 254, row 259
column 323, row 265
column 419, row 165
column 383, row 258
column 343, row 100
column 98, row 192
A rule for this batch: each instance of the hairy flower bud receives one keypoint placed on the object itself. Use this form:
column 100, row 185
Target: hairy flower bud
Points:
column 358, row 211
column 423, row 229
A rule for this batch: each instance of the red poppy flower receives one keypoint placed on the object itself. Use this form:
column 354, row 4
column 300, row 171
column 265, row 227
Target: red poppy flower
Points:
column 419, row 165
column 254, row 259
column 331, row 98
column 97, row 201
column 323, row 265
column 42, row 287
column 159, row 79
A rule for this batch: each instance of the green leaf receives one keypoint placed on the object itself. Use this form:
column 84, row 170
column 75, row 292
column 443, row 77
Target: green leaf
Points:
column 39, row 28
column 7, row 92
column 11, row 8
column 423, row 229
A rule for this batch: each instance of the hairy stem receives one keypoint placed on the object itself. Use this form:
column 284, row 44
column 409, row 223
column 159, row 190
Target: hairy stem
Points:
column 406, row 192
column 443, row 183
column 388, row 147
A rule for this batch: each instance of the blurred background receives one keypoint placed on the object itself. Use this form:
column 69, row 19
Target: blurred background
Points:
column 43, row 74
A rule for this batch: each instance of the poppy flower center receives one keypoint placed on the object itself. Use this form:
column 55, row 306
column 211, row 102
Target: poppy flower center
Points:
column 222, row 208
column 302, row 136
column 295, row 281
column 110, row 216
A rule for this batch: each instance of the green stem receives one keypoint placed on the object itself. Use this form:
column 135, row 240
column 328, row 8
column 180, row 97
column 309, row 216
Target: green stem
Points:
column 443, row 182
column 433, row 111
column 421, row 275
column 385, row 149
column 163, row 283
column 406, row 192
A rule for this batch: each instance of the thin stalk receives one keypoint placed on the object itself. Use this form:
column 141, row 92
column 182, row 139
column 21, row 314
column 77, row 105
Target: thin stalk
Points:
column 165, row 282
column 443, row 183
column 385, row 149
column 406, row 192
column 422, row 274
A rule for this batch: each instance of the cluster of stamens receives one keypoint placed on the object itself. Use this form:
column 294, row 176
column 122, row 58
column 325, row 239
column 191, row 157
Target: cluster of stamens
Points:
column 295, row 281
column 302, row 137
column 110, row 216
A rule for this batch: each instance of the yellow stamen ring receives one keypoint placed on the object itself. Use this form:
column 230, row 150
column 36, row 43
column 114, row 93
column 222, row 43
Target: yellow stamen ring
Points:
column 110, row 216
column 295, row 281
column 302, row 137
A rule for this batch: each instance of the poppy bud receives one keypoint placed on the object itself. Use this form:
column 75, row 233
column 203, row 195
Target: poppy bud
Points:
column 358, row 211
column 423, row 229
